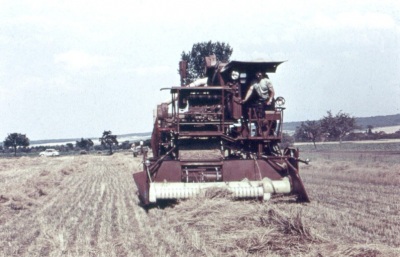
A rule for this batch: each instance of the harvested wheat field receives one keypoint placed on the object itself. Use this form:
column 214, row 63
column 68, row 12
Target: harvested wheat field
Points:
column 87, row 206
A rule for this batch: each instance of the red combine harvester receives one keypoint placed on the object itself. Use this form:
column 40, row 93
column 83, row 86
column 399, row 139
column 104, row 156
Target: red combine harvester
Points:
column 205, row 137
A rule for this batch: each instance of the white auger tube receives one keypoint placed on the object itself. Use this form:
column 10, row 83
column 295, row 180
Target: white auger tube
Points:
column 240, row 189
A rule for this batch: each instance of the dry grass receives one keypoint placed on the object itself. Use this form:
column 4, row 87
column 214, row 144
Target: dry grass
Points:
column 220, row 227
column 87, row 206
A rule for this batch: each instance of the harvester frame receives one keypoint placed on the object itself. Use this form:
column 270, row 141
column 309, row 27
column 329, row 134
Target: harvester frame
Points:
column 205, row 137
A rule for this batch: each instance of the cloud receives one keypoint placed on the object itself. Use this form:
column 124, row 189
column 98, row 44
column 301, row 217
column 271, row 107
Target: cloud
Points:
column 367, row 20
column 353, row 20
column 153, row 70
column 79, row 60
column 4, row 94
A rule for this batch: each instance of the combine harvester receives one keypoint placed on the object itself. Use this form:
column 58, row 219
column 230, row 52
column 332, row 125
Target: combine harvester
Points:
column 205, row 137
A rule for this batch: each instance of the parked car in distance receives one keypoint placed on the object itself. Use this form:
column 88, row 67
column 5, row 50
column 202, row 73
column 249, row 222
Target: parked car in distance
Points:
column 139, row 150
column 49, row 152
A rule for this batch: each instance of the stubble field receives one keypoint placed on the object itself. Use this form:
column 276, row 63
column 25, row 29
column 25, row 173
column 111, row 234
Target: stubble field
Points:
column 87, row 206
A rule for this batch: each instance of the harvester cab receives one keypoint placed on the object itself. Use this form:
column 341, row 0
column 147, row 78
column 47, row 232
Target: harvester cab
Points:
column 205, row 137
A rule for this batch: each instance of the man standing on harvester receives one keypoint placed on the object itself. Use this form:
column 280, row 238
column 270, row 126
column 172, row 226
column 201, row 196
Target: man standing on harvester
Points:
column 265, row 91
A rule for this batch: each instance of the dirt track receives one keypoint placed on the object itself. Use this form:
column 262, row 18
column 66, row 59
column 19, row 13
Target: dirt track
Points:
column 86, row 206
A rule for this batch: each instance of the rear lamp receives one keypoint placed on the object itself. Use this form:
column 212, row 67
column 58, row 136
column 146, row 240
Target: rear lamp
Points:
column 280, row 101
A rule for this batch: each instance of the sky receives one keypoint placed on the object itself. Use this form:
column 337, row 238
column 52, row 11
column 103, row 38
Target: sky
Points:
column 72, row 69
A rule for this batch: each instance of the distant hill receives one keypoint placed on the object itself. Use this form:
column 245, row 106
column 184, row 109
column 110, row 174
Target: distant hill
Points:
column 364, row 122
column 291, row 126
column 379, row 121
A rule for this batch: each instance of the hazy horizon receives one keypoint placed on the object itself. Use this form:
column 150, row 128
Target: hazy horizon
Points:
column 386, row 129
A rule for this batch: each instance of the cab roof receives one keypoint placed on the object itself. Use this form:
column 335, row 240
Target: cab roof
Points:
column 250, row 66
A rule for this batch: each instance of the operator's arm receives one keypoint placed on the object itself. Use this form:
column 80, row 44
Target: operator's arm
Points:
column 271, row 94
column 199, row 82
column 248, row 94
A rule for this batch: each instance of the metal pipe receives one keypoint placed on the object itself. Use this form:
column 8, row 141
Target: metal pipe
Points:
column 240, row 189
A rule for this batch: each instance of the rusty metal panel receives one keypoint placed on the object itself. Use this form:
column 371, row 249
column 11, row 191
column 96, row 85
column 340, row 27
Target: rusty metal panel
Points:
column 273, row 115
column 236, row 170
column 169, row 171
column 142, row 185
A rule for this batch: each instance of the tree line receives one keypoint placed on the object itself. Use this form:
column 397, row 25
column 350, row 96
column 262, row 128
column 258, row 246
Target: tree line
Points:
column 17, row 142
column 338, row 127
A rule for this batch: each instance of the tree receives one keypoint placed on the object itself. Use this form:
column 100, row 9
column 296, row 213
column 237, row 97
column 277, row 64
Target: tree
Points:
column 195, row 58
column 338, row 126
column 300, row 135
column 16, row 139
column 70, row 146
column 85, row 144
column 309, row 130
column 287, row 140
column 369, row 129
column 108, row 139
column 125, row 145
